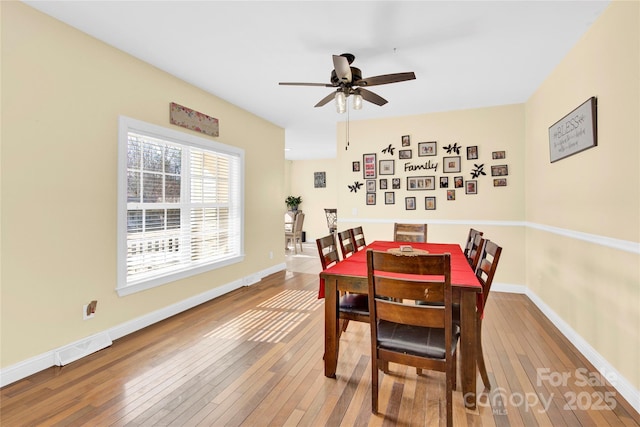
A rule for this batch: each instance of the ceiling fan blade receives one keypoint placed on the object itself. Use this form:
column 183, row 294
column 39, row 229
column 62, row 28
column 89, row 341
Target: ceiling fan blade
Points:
column 326, row 99
column 305, row 84
column 385, row 79
column 367, row 95
column 342, row 68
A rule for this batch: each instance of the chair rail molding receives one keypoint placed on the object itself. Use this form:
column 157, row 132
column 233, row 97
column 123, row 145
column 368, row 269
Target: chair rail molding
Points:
column 623, row 245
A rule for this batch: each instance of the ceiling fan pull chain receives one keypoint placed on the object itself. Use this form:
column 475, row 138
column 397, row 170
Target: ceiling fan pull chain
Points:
column 347, row 147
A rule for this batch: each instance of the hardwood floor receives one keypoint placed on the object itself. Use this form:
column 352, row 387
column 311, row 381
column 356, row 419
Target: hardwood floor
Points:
column 254, row 358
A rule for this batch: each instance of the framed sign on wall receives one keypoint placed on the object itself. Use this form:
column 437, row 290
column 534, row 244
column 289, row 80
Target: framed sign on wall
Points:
column 575, row 132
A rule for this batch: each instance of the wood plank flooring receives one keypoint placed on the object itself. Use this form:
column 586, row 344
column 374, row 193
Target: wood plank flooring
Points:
column 254, row 358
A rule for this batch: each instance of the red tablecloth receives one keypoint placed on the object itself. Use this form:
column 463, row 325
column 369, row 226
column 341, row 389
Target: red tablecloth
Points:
column 461, row 273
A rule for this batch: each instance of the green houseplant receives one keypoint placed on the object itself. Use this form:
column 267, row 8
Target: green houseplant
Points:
column 293, row 202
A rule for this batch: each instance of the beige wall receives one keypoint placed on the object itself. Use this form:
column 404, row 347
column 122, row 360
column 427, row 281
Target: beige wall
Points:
column 498, row 211
column 594, row 287
column 62, row 93
column 314, row 200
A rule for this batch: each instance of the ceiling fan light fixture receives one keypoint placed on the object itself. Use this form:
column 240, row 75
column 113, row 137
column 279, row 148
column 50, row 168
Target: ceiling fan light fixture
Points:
column 357, row 101
column 341, row 102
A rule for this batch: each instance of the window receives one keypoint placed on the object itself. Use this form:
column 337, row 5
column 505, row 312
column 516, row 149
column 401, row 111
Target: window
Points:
column 180, row 205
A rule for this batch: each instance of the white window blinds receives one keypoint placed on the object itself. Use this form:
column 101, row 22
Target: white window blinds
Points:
column 183, row 205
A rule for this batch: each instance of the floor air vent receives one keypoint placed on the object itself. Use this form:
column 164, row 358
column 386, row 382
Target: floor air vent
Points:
column 82, row 348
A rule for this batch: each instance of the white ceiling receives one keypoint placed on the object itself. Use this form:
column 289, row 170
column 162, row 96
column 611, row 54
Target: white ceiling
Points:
column 465, row 54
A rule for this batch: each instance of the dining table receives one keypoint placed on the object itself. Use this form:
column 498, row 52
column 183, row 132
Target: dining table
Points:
column 350, row 275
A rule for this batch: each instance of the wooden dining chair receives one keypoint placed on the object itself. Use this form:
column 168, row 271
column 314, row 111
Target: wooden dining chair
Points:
column 347, row 243
column 423, row 336
column 295, row 235
column 328, row 251
column 332, row 219
column 487, row 265
column 410, row 233
column 351, row 306
column 475, row 249
column 358, row 237
column 470, row 239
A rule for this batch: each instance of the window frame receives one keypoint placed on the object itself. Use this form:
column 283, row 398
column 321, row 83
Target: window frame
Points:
column 128, row 124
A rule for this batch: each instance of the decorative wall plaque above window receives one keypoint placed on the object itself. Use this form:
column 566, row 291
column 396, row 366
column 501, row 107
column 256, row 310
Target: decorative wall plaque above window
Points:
column 194, row 120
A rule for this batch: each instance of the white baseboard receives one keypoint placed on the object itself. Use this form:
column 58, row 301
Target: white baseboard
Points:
column 624, row 387
column 509, row 288
column 51, row 358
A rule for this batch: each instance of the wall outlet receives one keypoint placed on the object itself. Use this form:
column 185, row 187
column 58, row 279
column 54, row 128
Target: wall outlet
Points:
column 86, row 316
column 89, row 310
column 270, row 254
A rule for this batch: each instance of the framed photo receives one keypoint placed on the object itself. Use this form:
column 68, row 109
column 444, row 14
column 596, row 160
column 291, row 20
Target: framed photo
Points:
column 355, row 166
column 500, row 182
column 371, row 185
column 406, row 140
column 369, row 166
column 421, row 183
column 444, row 182
column 458, row 182
column 575, row 132
column 430, row 203
column 395, row 183
column 410, row 203
column 451, row 164
column 427, row 148
column 383, row 183
column 389, row 198
column 472, row 152
column 471, row 187
column 404, row 154
column 498, row 155
column 319, row 179
column 430, row 183
column 387, row 167
column 451, row 194
column 371, row 198
column 499, row 170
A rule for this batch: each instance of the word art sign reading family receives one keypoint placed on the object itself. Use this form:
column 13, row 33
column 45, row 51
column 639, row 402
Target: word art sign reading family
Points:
column 426, row 166
column 575, row 132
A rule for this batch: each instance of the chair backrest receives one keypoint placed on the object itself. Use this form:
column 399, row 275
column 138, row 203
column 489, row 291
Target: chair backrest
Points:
column 347, row 246
column 297, row 225
column 289, row 219
column 470, row 239
column 487, row 265
column 358, row 238
column 332, row 219
column 388, row 293
column 328, row 251
column 475, row 251
column 410, row 232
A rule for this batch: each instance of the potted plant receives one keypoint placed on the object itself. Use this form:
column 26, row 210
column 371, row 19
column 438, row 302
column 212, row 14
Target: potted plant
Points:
column 293, row 202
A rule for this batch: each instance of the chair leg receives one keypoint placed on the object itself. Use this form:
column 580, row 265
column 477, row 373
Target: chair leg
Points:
column 450, row 373
column 480, row 357
column 455, row 371
column 374, row 385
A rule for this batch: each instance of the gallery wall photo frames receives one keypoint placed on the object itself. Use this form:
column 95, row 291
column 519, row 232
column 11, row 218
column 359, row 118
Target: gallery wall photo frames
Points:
column 369, row 170
column 387, row 168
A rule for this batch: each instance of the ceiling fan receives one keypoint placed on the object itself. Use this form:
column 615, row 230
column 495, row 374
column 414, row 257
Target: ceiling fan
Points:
column 348, row 81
